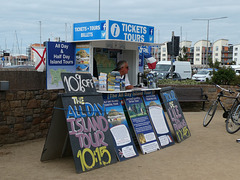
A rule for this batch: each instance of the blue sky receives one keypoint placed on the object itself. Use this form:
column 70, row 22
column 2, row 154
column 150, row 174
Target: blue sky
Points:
column 20, row 20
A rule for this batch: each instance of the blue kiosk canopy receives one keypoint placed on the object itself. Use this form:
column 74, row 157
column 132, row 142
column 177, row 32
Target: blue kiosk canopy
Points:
column 112, row 30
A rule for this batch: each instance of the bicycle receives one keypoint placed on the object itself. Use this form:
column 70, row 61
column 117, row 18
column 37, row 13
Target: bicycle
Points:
column 232, row 115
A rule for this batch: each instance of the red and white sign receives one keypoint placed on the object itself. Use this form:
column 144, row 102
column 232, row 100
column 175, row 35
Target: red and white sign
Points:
column 39, row 57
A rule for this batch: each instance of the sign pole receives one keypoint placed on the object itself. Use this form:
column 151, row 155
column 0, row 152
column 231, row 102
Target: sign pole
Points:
column 172, row 56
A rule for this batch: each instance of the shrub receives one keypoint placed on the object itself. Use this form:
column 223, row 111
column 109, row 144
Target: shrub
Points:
column 224, row 76
column 236, row 80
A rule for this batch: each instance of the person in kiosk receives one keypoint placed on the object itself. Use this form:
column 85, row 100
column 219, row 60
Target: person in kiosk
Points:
column 122, row 68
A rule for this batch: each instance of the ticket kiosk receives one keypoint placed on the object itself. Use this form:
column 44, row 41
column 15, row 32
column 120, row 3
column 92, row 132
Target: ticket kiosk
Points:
column 106, row 42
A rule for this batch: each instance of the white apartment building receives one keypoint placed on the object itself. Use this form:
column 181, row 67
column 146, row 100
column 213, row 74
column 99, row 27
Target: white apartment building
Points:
column 200, row 52
column 164, row 53
column 187, row 44
column 236, row 54
column 217, row 49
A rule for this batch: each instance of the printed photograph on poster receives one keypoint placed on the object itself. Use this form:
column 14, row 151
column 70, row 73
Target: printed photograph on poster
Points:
column 142, row 125
column 158, row 118
column 82, row 58
column 136, row 109
column 124, row 145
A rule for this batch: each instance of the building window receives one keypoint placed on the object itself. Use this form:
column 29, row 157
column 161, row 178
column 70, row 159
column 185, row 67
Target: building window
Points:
column 197, row 48
column 235, row 54
column 163, row 55
column 197, row 59
column 216, row 48
column 236, row 48
column 216, row 54
column 164, row 49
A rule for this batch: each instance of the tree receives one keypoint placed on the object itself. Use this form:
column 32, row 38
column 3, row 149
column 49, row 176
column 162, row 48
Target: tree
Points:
column 214, row 65
column 183, row 54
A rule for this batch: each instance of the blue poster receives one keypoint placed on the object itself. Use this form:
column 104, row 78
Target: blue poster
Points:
column 124, row 145
column 60, row 58
column 142, row 125
column 158, row 118
column 82, row 58
column 130, row 32
column 95, row 30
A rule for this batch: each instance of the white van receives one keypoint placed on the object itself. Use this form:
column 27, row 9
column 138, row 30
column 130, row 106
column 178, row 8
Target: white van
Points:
column 236, row 68
column 181, row 67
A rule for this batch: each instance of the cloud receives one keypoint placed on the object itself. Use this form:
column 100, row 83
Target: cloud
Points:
column 23, row 18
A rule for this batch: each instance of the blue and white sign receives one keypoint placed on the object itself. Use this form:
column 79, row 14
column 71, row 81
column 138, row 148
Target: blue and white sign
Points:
column 60, row 58
column 115, row 30
column 130, row 32
column 60, row 54
column 95, row 30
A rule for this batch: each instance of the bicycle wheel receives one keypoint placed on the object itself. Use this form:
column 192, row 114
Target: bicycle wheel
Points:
column 208, row 117
column 233, row 120
column 235, row 114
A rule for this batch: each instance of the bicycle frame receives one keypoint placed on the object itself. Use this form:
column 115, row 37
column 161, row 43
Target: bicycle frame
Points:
column 230, row 97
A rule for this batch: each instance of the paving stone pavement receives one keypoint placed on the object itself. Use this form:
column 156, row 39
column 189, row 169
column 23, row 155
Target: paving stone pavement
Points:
column 210, row 153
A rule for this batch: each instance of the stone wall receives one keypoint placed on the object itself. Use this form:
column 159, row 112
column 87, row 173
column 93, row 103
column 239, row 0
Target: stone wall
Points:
column 26, row 108
column 25, row 115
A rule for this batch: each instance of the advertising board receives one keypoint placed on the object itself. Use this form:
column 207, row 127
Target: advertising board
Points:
column 60, row 58
column 94, row 30
column 113, row 30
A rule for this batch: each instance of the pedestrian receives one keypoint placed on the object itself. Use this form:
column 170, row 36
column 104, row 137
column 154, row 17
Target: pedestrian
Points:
column 122, row 68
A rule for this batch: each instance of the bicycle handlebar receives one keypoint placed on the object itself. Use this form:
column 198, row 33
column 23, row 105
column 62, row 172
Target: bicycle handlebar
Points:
column 223, row 89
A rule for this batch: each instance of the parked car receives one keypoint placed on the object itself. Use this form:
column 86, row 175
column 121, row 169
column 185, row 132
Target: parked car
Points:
column 164, row 75
column 203, row 75
column 167, row 75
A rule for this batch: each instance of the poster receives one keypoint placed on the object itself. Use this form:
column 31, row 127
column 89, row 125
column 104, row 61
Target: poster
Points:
column 124, row 145
column 60, row 58
column 106, row 59
column 82, row 58
column 158, row 118
column 142, row 125
column 175, row 113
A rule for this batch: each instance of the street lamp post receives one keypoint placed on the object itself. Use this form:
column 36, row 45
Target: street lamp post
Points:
column 40, row 23
column 208, row 19
column 99, row 11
